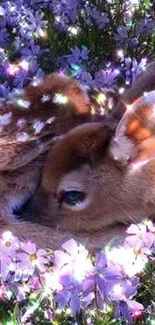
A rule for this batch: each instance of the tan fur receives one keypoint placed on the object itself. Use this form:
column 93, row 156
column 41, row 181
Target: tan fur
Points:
column 116, row 195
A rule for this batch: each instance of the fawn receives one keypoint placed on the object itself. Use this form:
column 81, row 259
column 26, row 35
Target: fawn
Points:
column 96, row 179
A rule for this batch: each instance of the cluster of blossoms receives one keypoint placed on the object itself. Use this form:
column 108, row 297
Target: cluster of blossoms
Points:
column 73, row 281
column 77, row 37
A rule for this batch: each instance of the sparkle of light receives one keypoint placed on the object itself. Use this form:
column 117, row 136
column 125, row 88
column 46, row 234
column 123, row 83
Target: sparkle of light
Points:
column 73, row 30
column 138, row 165
column 121, row 90
column 24, row 64
column 129, row 108
column 23, row 103
column 12, row 69
column 101, row 98
column 120, row 54
column 60, row 99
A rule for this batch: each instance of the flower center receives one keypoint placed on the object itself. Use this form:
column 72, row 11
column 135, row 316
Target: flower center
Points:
column 8, row 244
column 33, row 257
column 137, row 252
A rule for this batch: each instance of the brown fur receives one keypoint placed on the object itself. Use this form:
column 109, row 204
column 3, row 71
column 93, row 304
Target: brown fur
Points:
column 82, row 156
column 21, row 161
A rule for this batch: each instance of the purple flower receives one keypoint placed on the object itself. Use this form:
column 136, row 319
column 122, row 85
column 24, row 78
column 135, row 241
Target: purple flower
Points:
column 128, row 259
column 31, row 52
column 123, row 290
column 65, row 11
column 100, row 18
column 138, row 68
column 9, row 245
column 20, row 78
column 69, row 296
column 2, row 17
column 31, row 258
column 121, row 36
column 36, row 24
column 77, row 55
column 125, row 310
column 12, row 13
column 70, row 260
column 144, row 26
column 125, row 307
column 4, row 37
column 100, row 280
column 84, row 77
column 141, row 235
column 5, row 266
column 20, row 291
column 105, row 78
column 4, row 90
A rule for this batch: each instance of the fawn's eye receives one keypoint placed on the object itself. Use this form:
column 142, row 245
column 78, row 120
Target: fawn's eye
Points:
column 72, row 198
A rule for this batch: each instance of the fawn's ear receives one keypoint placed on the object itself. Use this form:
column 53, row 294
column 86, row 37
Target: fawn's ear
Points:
column 135, row 134
column 82, row 145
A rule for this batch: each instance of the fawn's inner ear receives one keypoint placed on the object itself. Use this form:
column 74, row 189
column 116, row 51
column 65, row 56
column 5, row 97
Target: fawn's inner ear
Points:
column 135, row 134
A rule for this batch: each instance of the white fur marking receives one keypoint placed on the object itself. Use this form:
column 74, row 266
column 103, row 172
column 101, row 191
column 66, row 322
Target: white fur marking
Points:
column 51, row 120
column 45, row 98
column 21, row 122
column 38, row 126
column 23, row 103
column 22, row 137
column 5, row 119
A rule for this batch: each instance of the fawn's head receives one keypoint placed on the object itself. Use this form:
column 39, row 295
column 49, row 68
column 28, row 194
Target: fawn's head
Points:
column 97, row 175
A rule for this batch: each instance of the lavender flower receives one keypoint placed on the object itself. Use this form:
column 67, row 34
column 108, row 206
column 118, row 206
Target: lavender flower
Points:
column 132, row 261
column 100, row 280
column 77, row 55
column 9, row 244
column 125, row 307
column 69, row 296
column 35, row 22
column 100, row 18
column 30, row 258
column 105, row 78
column 104, row 279
column 70, row 260
column 141, row 235
column 34, row 50
column 4, row 37
column 121, row 36
column 84, row 77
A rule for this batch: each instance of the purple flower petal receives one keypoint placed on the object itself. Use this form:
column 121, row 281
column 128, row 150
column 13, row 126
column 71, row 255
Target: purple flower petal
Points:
column 71, row 247
column 61, row 258
column 75, row 303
